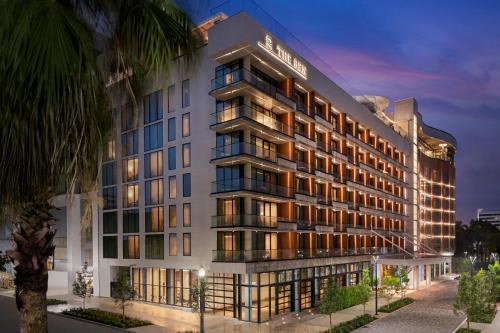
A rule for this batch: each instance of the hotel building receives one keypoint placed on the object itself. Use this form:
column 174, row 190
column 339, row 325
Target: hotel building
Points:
column 253, row 165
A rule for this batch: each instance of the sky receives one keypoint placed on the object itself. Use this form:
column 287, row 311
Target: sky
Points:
column 444, row 53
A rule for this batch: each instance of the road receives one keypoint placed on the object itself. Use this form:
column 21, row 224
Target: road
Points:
column 432, row 312
column 9, row 319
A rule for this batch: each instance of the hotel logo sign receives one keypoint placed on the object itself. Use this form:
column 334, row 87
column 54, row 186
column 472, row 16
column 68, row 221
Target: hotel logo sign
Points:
column 284, row 56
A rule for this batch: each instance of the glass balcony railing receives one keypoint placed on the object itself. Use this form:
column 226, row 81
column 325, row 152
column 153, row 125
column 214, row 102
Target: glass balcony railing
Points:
column 305, row 167
column 254, row 185
column 245, row 111
column 244, row 220
column 292, row 254
column 247, row 76
column 244, row 148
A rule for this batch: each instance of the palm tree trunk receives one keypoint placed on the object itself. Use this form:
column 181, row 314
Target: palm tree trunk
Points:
column 33, row 245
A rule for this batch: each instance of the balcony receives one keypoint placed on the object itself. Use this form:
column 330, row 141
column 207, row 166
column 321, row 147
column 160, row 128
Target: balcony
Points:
column 321, row 145
column 290, row 254
column 305, row 167
column 244, row 220
column 323, row 200
column 253, row 185
column 244, row 148
column 245, row 112
column 245, row 76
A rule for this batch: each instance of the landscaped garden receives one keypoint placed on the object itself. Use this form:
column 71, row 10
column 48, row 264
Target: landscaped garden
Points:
column 393, row 306
column 353, row 324
column 106, row 317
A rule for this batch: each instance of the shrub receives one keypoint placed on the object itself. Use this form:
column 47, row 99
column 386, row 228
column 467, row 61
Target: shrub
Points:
column 53, row 301
column 393, row 306
column 353, row 324
column 468, row 330
column 105, row 317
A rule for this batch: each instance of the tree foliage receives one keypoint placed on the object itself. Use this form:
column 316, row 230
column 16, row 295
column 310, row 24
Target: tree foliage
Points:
column 82, row 286
column 365, row 289
column 331, row 301
column 495, row 271
column 123, row 290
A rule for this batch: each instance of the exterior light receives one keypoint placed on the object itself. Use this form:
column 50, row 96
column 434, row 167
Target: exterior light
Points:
column 201, row 273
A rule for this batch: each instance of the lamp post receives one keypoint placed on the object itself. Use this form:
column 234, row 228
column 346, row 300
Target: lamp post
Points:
column 374, row 261
column 201, row 288
column 472, row 261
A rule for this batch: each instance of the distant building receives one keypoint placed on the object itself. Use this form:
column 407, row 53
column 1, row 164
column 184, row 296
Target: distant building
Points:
column 489, row 215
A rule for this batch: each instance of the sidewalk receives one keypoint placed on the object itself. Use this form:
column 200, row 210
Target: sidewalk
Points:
column 494, row 327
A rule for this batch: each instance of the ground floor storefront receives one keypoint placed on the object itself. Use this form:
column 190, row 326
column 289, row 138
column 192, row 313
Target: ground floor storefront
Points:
column 254, row 297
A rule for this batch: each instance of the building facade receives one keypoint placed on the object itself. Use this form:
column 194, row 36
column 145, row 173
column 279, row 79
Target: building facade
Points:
column 489, row 215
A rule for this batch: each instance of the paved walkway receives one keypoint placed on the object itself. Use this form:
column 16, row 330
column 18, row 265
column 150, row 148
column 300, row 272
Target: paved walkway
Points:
column 432, row 312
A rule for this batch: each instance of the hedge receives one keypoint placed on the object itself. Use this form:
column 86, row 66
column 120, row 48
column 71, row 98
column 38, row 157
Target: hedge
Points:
column 53, row 301
column 105, row 317
column 468, row 330
column 350, row 296
column 393, row 306
column 353, row 324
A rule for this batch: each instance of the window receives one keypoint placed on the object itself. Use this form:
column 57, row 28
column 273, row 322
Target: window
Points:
column 130, row 169
column 153, row 136
column 131, row 247
column 130, row 143
column 171, row 158
column 154, row 247
column 171, row 129
column 109, row 196
column 153, row 107
column 186, row 185
column 154, row 219
column 130, row 195
column 129, row 119
column 186, row 244
column 186, row 125
column 171, row 98
column 109, row 174
column 109, row 150
column 153, row 164
column 186, row 215
column 109, row 247
column 130, row 221
column 154, row 192
column 172, row 187
column 109, row 224
column 172, row 244
column 185, row 94
column 186, row 155
column 172, row 216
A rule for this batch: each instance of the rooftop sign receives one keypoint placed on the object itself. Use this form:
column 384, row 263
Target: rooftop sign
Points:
column 284, row 56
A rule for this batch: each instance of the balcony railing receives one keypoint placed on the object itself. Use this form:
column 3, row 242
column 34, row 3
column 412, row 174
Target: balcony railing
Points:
column 254, row 185
column 252, row 79
column 305, row 167
column 321, row 145
column 291, row 254
column 324, row 200
column 246, row 148
column 244, row 220
column 245, row 111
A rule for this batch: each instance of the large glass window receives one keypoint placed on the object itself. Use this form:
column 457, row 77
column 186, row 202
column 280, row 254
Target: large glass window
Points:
column 109, row 196
column 130, row 143
column 172, row 187
column 109, row 174
column 172, row 216
column 109, row 223
column 186, row 215
column 153, row 164
column 131, row 248
column 128, row 117
column 154, row 192
column 186, row 155
column 171, row 158
column 109, row 149
column 186, row 125
column 130, row 221
column 171, row 98
column 171, row 129
column 186, row 244
column 154, row 219
column 153, row 136
column 172, row 244
column 186, row 185
column 130, row 195
column 154, row 246
column 130, row 169
column 153, row 107
column 186, row 95
column 109, row 247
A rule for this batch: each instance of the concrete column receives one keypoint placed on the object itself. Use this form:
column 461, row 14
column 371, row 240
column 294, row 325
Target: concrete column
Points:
column 296, row 286
column 95, row 247
column 427, row 275
column 74, row 240
column 247, row 296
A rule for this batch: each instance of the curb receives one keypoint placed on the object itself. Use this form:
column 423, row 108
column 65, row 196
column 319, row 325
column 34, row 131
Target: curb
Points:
column 459, row 325
column 93, row 322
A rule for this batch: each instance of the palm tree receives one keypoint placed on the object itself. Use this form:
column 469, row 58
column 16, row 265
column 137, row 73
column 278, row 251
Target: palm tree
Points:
column 55, row 60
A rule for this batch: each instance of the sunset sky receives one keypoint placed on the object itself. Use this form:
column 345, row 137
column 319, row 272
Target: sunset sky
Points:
column 444, row 53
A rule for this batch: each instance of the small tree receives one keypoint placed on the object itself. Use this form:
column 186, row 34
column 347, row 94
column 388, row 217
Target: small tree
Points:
column 82, row 285
column 402, row 274
column 198, row 299
column 331, row 301
column 495, row 271
column 123, row 291
column 365, row 287
column 467, row 299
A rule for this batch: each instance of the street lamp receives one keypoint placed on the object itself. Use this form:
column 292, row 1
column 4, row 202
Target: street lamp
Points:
column 201, row 290
column 374, row 261
column 472, row 261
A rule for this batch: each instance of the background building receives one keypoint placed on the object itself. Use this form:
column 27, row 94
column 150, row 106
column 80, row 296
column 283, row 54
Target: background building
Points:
column 489, row 215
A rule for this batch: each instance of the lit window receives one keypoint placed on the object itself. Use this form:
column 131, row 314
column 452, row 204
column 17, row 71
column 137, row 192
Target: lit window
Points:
column 172, row 187
column 186, row 125
column 186, row 244
column 153, row 164
column 154, row 192
column 186, row 215
column 130, row 170
column 186, row 155
column 172, row 216
column 172, row 244
column 154, row 219
column 130, row 195
column 131, row 247
column 109, row 150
